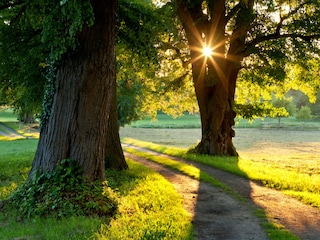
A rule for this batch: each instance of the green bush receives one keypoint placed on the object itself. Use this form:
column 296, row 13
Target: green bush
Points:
column 304, row 113
column 63, row 193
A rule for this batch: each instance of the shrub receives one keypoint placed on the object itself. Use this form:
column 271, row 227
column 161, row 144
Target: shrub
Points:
column 304, row 113
column 63, row 193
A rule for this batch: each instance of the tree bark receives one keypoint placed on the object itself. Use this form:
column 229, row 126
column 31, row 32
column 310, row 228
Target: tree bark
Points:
column 83, row 124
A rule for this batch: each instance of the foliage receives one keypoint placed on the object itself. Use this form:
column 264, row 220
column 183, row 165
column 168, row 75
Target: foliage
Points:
column 21, row 73
column 151, row 77
column 284, row 107
column 304, row 113
column 305, row 77
column 59, row 23
column 63, row 193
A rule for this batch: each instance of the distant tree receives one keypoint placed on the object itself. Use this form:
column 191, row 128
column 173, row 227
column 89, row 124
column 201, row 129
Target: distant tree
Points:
column 304, row 113
column 283, row 108
column 299, row 99
column 315, row 107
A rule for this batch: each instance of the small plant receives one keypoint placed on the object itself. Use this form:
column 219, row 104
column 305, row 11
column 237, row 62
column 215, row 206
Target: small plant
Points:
column 63, row 193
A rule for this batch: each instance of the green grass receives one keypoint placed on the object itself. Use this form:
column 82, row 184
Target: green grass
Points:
column 149, row 207
column 166, row 121
column 304, row 186
column 7, row 115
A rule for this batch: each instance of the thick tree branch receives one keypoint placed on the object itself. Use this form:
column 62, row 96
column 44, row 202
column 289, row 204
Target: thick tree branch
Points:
column 277, row 34
column 251, row 45
column 288, row 15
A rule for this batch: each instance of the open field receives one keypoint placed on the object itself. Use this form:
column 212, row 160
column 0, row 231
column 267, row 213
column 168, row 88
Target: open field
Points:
column 299, row 150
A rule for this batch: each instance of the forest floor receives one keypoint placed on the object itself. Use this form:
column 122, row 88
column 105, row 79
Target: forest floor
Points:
column 218, row 215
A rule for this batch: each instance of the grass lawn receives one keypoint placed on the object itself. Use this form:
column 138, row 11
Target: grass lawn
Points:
column 7, row 115
column 144, row 211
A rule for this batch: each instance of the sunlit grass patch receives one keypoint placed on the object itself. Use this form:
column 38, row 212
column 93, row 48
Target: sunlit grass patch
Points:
column 280, row 178
column 26, row 130
column 50, row 229
column 8, row 138
column 15, row 162
column 275, row 231
column 149, row 208
column 306, row 197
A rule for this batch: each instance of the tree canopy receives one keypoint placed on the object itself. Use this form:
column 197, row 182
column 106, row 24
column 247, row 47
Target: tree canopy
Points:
column 256, row 49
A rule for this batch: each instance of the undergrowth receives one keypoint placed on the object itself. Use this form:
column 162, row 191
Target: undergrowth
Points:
column 63, row 193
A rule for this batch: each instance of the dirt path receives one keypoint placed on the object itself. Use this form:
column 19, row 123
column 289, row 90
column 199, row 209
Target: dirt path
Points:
column 216, row 215
column 8, row 132
column 211, row 206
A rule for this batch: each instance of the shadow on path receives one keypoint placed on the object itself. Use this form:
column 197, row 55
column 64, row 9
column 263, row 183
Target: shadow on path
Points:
column 216, row 214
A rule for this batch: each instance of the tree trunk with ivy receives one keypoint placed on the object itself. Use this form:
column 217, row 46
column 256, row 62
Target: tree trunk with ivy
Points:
column 214, row 76
column 83, row 123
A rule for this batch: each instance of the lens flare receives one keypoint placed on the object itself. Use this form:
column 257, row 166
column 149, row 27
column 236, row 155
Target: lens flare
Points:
column 207, row 51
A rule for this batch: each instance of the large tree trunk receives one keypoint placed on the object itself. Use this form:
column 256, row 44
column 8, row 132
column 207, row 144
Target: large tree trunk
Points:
column 217, row 117
column 83, row 122
column 214, row 77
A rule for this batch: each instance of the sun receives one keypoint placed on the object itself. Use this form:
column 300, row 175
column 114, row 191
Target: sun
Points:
column 207, row 51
